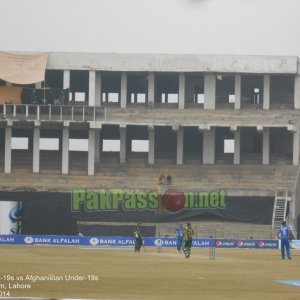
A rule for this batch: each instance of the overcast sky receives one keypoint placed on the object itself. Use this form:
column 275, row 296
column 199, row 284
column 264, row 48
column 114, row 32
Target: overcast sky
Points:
column 152, row 26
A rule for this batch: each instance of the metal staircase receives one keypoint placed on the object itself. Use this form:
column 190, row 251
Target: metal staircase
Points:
column 280, row 206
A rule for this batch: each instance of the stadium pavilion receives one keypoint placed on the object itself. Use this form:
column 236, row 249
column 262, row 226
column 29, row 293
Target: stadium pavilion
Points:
column 211, row 122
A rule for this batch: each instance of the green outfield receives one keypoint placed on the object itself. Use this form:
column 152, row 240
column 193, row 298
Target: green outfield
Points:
column 98, row 273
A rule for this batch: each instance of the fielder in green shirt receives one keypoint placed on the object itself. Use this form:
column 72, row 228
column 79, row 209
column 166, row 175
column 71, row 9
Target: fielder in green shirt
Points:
column 187, row 240
column 138, row 239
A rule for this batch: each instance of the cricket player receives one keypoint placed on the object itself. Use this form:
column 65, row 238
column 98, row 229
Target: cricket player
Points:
column 187, row 240
column 138, row 239
column 285, row 234
column 179, row 236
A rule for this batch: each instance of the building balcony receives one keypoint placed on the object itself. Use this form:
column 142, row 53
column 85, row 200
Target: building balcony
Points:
column 56, row 113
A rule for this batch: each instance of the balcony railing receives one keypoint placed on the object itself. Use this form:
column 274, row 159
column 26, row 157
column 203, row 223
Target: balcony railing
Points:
column 31, row 112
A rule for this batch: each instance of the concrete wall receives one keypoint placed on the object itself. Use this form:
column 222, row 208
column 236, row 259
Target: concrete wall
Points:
column 173, row 63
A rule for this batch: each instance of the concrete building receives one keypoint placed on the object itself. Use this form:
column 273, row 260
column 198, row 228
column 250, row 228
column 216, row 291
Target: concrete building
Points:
column 200, row 116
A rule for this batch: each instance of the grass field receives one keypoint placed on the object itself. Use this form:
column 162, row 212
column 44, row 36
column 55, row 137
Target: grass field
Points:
column 122, row 274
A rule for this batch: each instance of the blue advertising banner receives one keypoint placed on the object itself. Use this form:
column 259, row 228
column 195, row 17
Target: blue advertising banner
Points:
column 129, row 241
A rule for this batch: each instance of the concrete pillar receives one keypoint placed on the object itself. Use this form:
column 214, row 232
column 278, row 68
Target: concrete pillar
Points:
column 122, row 144
column 266, row 97
column 296, row 152
column 181, row 96
column 209, row 146
column 98, row 91
column 97, row 145
column 92, row 87
column 179, row 159
column 66, row 79
column 210, row 91
column 7, row 154
column 238, row 91
column 36, row 148
column 91, row 152
column 297, row 92
column 151, row 153
column 65, row 149
column 123, row 90
column 266, row 146
column 151, row 89
column 237, row 147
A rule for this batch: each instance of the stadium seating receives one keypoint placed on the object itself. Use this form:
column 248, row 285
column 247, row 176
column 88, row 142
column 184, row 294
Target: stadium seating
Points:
column 261, row 179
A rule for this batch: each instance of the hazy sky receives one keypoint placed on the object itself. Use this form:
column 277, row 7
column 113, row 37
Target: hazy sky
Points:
column 152, row 26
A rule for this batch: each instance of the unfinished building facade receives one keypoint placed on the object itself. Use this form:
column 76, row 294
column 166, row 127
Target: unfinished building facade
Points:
column 181, row 112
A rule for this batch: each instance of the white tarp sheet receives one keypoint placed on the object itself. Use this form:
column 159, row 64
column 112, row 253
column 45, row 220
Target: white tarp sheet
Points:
column 23, row 68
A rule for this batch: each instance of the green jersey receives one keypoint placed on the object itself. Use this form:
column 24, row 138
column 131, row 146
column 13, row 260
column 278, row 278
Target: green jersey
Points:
column 137, row 234
column 188, row 233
